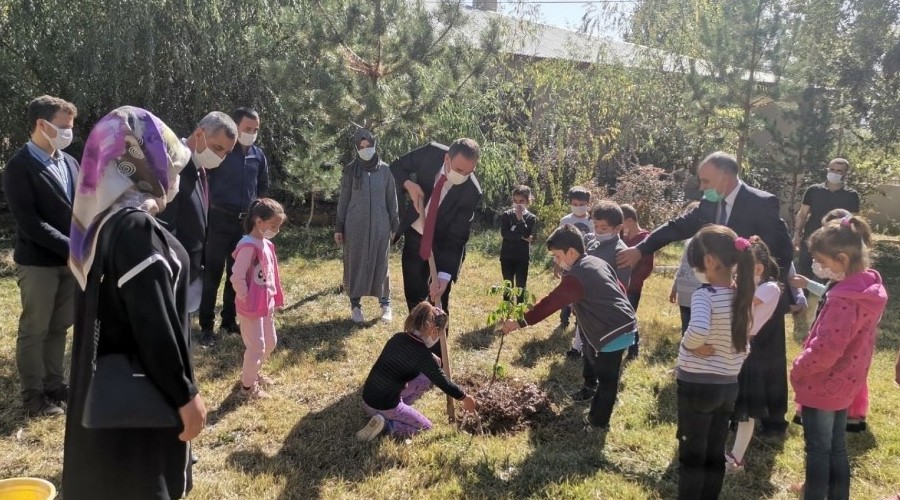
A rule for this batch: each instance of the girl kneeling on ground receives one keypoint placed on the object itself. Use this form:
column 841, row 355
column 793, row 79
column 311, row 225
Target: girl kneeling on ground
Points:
column 403, row 372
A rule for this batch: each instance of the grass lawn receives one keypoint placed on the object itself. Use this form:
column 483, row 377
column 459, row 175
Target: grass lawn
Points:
column 301, row 444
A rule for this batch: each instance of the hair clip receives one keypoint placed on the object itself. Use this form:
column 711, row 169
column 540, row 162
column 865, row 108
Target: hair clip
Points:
column 845, row 221
column 741, row 244
column 755, row 239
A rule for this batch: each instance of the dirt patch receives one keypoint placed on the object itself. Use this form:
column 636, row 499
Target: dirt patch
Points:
column 507, row 406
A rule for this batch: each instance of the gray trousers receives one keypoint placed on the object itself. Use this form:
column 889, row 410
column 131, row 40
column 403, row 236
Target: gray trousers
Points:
column 48, row 308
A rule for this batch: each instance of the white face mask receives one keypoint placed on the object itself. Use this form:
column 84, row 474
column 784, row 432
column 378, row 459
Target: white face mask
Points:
column 834, row 178
column 579, row 210
column 246, row 139
column 756, row 279
column 207, row 159
column 63, row 137
column 366, row 154
column 520, row 206
column 826, row 273
column 455, row 177
column 700, row 276
column 269, row 234
column 605, row 236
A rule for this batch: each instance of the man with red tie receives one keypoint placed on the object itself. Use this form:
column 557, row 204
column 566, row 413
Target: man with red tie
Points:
column 444, row 193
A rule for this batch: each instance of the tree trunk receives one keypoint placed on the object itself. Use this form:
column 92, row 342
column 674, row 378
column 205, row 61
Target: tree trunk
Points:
column 312, row 209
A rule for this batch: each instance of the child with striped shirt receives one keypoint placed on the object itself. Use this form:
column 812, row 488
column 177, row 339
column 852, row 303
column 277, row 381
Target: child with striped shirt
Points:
column 712, row 352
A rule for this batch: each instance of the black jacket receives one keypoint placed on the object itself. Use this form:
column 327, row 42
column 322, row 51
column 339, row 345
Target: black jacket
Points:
column 186, row 216
column 41, row 209
column 454, row 219
column 514, row 231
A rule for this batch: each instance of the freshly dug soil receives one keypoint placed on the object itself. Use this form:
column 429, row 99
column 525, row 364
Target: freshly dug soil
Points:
column 507, row 406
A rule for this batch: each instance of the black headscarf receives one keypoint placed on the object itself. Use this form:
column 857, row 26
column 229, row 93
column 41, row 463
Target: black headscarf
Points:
column 358, row 165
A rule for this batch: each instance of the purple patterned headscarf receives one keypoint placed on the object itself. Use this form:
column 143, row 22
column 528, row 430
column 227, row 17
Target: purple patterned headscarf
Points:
column 129, row 151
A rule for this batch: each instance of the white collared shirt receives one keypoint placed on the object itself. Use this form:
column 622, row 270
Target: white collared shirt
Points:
column 729, row 200
column 419, row 224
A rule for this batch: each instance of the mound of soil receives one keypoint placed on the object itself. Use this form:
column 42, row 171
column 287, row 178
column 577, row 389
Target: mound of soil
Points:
column 507, row 406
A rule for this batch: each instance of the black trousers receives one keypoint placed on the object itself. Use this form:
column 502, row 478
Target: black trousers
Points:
column 223, row 233
column 703, row 414
column 416, row 274
column 685, row 318
column 604, row 368
column 516, row 272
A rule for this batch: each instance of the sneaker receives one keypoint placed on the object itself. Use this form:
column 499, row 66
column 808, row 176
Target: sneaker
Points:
column 207, row 338
column 589, row 427
column 372, row 429
column 230, row 327
column 583, row 395
column 798, row 419
column 356, row 315
column 253, row 393
column 573, row 354
column 264, row 381
column 59, row 396
column 732, row 465
column 387, row 314
column 856, row 426
column 41, row 406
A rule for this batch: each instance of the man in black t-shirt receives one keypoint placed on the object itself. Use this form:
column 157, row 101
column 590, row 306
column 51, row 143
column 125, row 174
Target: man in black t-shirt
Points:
column 818, row 200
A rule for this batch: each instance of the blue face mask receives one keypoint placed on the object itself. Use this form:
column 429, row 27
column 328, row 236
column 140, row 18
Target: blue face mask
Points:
column 712, row 195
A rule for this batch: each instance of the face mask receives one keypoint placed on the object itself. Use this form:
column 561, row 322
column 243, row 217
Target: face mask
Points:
column 712, row 195
column 605, row 236
column 63, row 137
column 700, row 276
column 834, row 178
column 579, row 210
column 207, row 159
column 366, row 154
column 520, row 206
column 826, row 273
column 269, row 234
column 246, row 139
column 756, row 279
column 455, row 177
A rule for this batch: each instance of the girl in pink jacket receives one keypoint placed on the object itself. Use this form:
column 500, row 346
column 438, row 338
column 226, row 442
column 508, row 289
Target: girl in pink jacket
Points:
column 834, row 363
column 258, row 293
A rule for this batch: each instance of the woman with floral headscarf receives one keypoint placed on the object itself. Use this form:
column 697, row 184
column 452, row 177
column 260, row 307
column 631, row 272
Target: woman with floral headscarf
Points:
column 132, row 277
column 367, row 216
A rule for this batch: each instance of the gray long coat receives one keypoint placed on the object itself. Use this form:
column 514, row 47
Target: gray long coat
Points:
column 367, row 216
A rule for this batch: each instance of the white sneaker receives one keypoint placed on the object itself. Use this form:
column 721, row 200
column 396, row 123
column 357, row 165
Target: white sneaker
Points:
column 356, row 315
column 372, row 429
column 387, row 315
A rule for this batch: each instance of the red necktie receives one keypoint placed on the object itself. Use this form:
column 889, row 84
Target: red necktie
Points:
column 431, row 218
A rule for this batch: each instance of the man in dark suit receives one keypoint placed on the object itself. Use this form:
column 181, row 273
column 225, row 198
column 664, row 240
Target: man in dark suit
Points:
column 39, row 182
column 444, row 193
column 747, row 211
column 186, row 215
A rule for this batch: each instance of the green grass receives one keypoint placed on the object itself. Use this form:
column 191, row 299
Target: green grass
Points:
column 300, row 443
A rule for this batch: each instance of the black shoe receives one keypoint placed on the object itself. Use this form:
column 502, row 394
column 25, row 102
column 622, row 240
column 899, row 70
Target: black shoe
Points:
column 59, row 396
column 798, row 419
column 583, row 395
column 633, row 352
column 207, row 338
column 573, row 354
column 857, row 426
column 40, row 406
column 230, row 327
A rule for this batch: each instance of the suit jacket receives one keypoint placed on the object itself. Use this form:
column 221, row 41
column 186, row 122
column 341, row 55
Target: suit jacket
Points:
column 41, row 209
column 755, row 212
column 454, row 219
column 186, row 216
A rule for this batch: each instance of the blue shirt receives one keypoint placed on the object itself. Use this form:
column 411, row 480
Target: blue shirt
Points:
column 56, row 165
column 239, row 179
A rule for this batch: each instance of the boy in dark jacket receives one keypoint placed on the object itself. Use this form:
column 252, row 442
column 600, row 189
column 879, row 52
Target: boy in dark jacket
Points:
column 517, row 229
column 605, row 317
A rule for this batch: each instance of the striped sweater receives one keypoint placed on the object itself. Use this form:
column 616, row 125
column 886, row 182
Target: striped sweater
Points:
column 710, row 324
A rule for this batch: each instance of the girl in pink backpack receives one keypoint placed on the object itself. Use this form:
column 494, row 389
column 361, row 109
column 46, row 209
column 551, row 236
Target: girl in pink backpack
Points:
column 258, row 292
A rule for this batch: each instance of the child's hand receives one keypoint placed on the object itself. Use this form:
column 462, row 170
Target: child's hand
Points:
column 797, row 309
column 339, row 238
column 193, row 418
column 673, row 297
column 468, row 403
column 529, row 239
column 704, row 350
column 509, row 326
column 799, row 281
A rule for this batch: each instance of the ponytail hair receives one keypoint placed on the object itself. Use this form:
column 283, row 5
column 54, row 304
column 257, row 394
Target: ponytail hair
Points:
column 732, row 252
column 263, row 209
column 850, row 236
column 423, row 316
column 762, row 255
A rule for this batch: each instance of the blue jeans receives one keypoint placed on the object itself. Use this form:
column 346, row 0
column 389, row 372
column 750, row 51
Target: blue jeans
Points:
column 827, row 465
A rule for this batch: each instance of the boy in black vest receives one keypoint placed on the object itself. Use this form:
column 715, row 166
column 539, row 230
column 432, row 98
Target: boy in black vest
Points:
column 605, row 318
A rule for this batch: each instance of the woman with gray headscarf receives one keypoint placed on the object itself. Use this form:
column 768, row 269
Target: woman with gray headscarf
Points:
column 367, row 217
column 132, row 302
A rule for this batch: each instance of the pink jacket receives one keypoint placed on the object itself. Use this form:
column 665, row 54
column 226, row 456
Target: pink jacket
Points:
column 257, row 285
column 835, row 360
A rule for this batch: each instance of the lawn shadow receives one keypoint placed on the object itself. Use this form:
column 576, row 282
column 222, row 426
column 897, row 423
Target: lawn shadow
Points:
column 322, row 445
column 538, row 348
column 666, row 402
column 12, row 415
column 756, row 479
column 477, row 340
column 326, row 340
column 335, row 290
column 229, row 404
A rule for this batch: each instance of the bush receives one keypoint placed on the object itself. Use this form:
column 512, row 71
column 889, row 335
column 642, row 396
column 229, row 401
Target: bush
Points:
column 655, row 194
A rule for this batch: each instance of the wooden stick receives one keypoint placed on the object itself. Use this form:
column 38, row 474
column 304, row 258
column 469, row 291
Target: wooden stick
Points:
column 445, row 351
